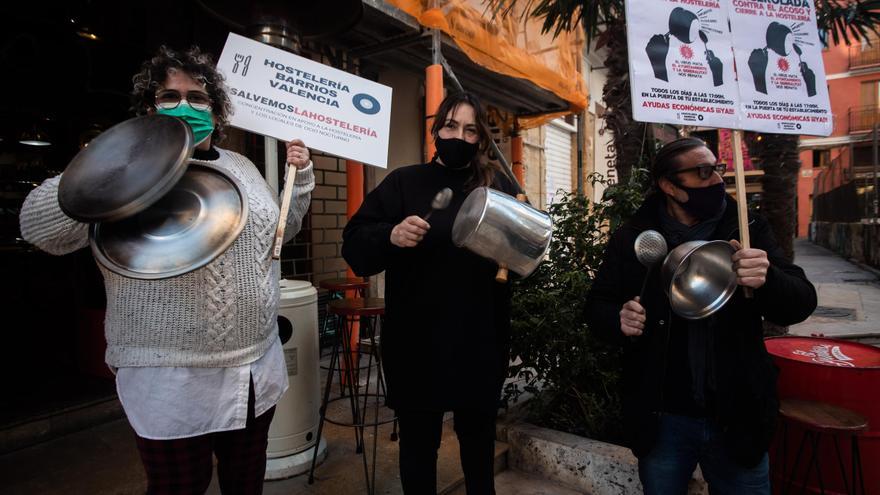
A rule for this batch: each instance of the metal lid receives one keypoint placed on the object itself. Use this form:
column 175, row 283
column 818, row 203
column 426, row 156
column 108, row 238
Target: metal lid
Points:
column 185, row 230
column 296, row 293
column 126, row 169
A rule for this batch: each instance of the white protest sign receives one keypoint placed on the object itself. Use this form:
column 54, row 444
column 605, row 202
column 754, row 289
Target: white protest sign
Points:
column 681, row 63
column 278, row 94
column 781, row 74
column 681, row 66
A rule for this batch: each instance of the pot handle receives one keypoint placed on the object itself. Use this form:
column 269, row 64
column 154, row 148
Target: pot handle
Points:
column 502, row 275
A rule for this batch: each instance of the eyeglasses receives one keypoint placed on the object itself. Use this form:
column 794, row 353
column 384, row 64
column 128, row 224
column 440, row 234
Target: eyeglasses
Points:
column 704, row 171
column 170, row 98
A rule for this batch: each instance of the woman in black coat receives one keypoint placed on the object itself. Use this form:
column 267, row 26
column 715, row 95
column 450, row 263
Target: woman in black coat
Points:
column 445, row 339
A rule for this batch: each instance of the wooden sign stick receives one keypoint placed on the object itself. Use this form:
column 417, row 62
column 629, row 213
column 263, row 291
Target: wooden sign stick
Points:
column 285, row 207
column 742, row 210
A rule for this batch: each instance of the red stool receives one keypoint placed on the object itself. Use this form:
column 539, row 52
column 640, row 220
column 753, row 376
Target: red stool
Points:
column 345, row 359
column 817, row 419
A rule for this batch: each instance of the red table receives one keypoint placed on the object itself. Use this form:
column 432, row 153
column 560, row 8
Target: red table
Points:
column 836, row 372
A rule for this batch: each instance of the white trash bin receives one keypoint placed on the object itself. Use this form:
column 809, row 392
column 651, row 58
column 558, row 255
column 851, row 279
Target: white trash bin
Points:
column 295, row 425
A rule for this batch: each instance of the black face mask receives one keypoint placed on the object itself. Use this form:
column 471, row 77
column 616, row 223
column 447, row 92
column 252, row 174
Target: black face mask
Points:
column 456, row 153
column 703, row 202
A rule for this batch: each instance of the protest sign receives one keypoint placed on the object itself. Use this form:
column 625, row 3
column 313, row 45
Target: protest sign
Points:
column 680, row 62
column 781, row 74
column 281, row 95
column 682, row 68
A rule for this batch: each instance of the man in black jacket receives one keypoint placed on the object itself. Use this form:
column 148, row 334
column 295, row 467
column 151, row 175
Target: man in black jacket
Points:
column 697, row 392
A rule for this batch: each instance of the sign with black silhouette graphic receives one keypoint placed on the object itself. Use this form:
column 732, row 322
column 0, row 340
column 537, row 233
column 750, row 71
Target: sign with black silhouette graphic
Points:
column 681, row 63
column 781, row 75
column 278, row 94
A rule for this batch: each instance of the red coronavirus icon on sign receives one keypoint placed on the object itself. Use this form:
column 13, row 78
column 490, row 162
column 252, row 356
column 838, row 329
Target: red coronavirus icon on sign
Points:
column 783, row 65
column 686, row 52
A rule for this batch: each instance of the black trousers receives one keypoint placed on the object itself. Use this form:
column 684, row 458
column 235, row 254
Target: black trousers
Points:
column 420, row 433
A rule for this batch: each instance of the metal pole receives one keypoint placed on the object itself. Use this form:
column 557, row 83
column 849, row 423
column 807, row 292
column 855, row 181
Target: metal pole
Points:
column 278, row 34
column 270, row 157
column 436, row 53
column 580, row 153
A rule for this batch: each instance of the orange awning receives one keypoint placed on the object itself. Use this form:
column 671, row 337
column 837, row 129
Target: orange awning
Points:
column 509, row 46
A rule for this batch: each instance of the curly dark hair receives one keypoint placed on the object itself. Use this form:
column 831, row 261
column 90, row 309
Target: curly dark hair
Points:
column 198, row 65
column 484, row 172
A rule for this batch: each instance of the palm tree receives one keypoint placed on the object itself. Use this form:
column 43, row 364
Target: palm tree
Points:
column 605, row 19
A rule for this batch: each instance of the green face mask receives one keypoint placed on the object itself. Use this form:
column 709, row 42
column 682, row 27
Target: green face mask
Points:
column 199, row 121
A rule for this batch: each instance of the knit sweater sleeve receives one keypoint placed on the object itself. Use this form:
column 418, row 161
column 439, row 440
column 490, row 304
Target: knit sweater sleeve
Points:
column 44, row 225
column 303, row 185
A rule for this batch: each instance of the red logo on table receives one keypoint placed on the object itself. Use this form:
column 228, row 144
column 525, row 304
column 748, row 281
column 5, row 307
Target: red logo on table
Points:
column 827, row 354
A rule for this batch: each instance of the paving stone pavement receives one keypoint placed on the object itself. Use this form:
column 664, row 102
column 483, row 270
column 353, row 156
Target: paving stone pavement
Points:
column 849, row 295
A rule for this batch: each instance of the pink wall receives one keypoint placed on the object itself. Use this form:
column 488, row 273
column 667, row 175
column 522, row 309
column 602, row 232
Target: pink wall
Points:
column 836, row 59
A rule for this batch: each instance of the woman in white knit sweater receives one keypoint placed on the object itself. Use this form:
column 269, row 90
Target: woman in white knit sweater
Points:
column 199, row 365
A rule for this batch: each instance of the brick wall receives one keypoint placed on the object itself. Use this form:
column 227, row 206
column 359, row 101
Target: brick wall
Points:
column 327, row 218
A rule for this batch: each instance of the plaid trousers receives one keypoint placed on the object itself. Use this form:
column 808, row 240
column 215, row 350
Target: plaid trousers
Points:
column 184, row 466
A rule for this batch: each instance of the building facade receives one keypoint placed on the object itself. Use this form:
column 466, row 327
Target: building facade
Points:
column 836, row 182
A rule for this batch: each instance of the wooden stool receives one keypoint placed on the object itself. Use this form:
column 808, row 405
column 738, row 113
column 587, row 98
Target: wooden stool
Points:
column 336, row 288
column 818, row 418
column 346, row 360
column 343, row 284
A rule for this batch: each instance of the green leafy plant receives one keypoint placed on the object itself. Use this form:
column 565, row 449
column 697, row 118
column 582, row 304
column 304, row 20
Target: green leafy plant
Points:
column 570, row 372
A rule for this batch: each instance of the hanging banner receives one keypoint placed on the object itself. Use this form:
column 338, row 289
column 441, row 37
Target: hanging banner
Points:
column 281, row 95
column 681, row 63
column 781, row 74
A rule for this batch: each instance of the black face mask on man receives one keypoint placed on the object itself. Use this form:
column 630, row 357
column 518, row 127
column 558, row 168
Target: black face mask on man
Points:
column 456, row 153
column 703, row 202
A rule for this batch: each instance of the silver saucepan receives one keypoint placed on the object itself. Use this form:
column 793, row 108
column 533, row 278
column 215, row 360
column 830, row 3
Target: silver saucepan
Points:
column 497, row 226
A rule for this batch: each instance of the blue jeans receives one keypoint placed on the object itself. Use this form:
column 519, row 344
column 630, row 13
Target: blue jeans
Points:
column 682, row 443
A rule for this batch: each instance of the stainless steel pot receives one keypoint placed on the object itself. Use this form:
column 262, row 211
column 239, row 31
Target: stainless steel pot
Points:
column 195, row 222
column 498, row 227
column 699, row 278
